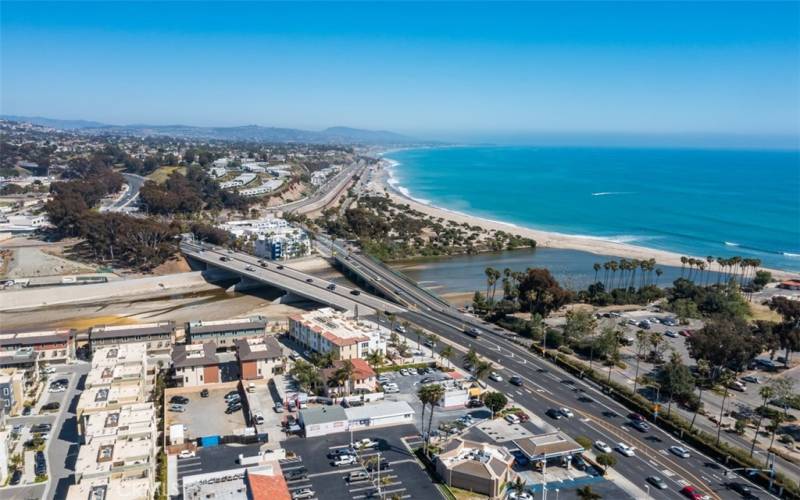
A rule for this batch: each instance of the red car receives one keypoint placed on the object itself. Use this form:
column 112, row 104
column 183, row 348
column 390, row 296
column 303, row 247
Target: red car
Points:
column 523, row 417
column 636, row 417
column 690, row 492
column 685, row 333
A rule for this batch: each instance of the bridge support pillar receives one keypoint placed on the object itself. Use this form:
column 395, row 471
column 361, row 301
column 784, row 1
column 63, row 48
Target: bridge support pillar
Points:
column 289, row 298
column 245, row 283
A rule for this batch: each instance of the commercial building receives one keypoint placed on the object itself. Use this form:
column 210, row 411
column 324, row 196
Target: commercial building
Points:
column 260, row 482
column 126, row 488
column 476, row 467
column 548, row 447
column 259, row 357
column 195, row 364
column 238, row 181
column 225, row 333
column 272, row 238
column 363, row 379
column 158, row 337
column 53, row 346
column 326, row 330
column 12, row 390
column 325, row 420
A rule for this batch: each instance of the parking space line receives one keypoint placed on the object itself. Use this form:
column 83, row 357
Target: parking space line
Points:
column 334, row 472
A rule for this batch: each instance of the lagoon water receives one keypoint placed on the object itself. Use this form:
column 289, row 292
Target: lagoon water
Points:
column 695, row 202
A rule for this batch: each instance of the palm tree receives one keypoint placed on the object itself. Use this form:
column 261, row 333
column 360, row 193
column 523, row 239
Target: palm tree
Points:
column 776, row 420
column 482, row 369
column 490, row 280
column 518, row 486
column 725, row 378
column 436, row 394
column 471, row 357
column 684, row 260
column 703, row 371
column 429, row 395
column 422, row 394
column 343, row 376
column 641, row 344
column 434, row 339
column 376, row 358
column 766, row 393
column 596, row 267
column 447, row 353
column 419, row 333
column 586, row 493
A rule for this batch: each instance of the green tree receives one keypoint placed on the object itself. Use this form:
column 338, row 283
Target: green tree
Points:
column 586, row 493
column 606, row 460
column 726, row 377
column 471, row 358
column 307, row 376
column 482, row 369
column 447, row 353
column 495, row 401
column 584, row 441
column 579, row 324
column 703, row 374
column 676, row 379
column 776, row 420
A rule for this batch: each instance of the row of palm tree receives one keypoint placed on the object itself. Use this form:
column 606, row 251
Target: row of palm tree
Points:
column 629, row 267
column 429, row 395
column 736, row 267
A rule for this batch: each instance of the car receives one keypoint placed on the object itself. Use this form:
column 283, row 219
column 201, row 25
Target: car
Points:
column 55, row 405
column 179, row 400
column 738, row 386
column 579, row 463
column 40, row 464
column 522, row 416
column 412, row 371
column 384, row 379
column 400, row 329
column 671, row 334
column 177, row 408
column 679, row 451
column 657, row 482
column 278, row 407
column 403, row 372
column 355, row 292
column 366, row 443
column 57, row 388
column 204, row 393
column 296, row 474
column 631, row 322
column 373, row 465
column 520, row 458
column 496, row 377
column 512, row 418
column 554, row 414
column 516, row 380
column 280, row 267
column 691, row 492
column 258, row 419
column 232, row 394
column 303, row 493
column 513, row 495
column 640, row 425
column 429, row 343
column 636, row 417
column 741, row 489
column 41, row 428
column 391, row 389
column 751, row 379
column 474, row 403
column 49, row 370
column 331, row 287
column 309, row 280
column 26, row 410
column 357, row 476
column 602, row 446
column 338, row 452
column 224, row 259
column 233, row 408
column 685, row 333
column 625, row 449
column 566, row 412
column 249, row 268
column 644, row 325
column 292, row 405
column 187, row 454
column 343, row 460
column 16, row 477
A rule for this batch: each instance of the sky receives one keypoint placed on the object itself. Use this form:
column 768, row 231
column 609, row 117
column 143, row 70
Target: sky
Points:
column 477, row 70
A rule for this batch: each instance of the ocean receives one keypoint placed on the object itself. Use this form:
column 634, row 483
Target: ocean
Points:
column 690, row 201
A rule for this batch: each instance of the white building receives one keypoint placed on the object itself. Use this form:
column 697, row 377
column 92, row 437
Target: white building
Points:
column 274, row 238
column 319, row 177
column 326, row 330
column 218, row 172
column 263, row 189
column 238, row 181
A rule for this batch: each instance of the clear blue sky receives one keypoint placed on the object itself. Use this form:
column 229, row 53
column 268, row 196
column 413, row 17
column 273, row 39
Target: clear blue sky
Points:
column 431, row 69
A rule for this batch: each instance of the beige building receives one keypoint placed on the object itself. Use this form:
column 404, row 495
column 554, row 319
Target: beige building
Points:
column 326, row 330
column 127, row 488
column 12, row 390
column 134, row 421
column 363, row 380
column 473, row 466
column 195, row 364
column 158, row 337
column 225, row 333
column 52, row 346
column 260, row 357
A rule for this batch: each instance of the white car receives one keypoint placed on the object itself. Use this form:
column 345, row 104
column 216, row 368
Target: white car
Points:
column 679, row 451
column 344, row 460
column 625, row 449
column 671, row 334
column 496, row 377
column 566, row 412
column 403, row 372
column 512, row 419
column 366, row 443
column 49, row 370
column 602, row 446
column 513, row 495
column 186, row 454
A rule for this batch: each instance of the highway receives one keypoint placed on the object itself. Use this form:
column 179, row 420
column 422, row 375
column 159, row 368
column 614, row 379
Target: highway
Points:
column 326, row 194
column 135, row 183
column 285, row 278
column 597, row 416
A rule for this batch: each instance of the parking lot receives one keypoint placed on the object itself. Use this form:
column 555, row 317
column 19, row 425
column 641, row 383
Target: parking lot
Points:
column 213, row 459
column 205, row 416
column 401, row 475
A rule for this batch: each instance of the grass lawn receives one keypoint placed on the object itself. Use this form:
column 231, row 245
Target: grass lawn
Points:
column 160, row 174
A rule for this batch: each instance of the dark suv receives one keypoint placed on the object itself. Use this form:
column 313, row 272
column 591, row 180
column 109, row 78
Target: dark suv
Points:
column 40, row 468
column 295, row 474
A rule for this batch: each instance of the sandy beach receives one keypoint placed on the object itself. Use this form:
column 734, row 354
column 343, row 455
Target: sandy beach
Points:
column 544, row 239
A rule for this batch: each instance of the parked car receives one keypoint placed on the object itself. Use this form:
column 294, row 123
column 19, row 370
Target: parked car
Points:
column 186, row 454
column 338, row 452
column 644, row 325
column 671, row 334
column 303, row 493
column 343, row 460
column 566, row 412
column 204, row 393
column 179, row 400
column 679, row 451
column 513, row 495
column 296, row 474
column 579, row 463
column 40, row 464
column 512, row 418
column 233, row 408
column 16, row 477
column 26, row 410
column 357, row 476
column 738, row 386
column 751, row 379
column 366, row 443
column 474, row 403
column 625, row 449
column 55, row 405
column 520, row 458
column 278, row 407
column 177, row 408
column 657, row 482
column 554, row 414
column 516, row 380
column 232, row 395
column 40, row 428
column 373, row 466
column 496, row 377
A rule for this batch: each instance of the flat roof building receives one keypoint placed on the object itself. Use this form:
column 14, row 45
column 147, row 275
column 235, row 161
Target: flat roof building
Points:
column 261, row 482
column 224, row 333
column 134, row 421
column 158, row 337
column 473, row 466
column 547, row 446
column 326, row 330
column 195, row 364
column 259, row 357
column 323, row 420
column 52, row 346
column 128, row 488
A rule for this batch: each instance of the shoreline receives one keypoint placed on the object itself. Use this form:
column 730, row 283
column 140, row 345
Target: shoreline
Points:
column 384, row 181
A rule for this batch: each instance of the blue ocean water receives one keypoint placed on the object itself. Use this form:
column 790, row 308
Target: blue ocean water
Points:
column 695, row 202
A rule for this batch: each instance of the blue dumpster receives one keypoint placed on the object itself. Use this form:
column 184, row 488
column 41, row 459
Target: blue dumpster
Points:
column 208, row 441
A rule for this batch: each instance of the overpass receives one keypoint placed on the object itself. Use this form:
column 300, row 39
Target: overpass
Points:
column 283, row 277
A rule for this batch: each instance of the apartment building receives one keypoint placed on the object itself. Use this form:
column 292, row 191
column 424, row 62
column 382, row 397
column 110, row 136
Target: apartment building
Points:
column 52, row 346
column 326, row 330
column 158, row 337
column 363, row 379
column 133, row 421
column 225, row 333
column 260, row 357
column 117, row 378
column 12, row 390
column 106, row 488
column 195, row 364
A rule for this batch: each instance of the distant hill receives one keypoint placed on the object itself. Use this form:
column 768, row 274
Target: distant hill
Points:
column 256, row 133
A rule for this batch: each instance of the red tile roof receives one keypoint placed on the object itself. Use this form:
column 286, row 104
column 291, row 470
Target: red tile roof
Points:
column 267, row 486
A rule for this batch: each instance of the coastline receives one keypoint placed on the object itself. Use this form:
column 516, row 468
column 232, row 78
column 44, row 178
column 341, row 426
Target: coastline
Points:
column 384, row 181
